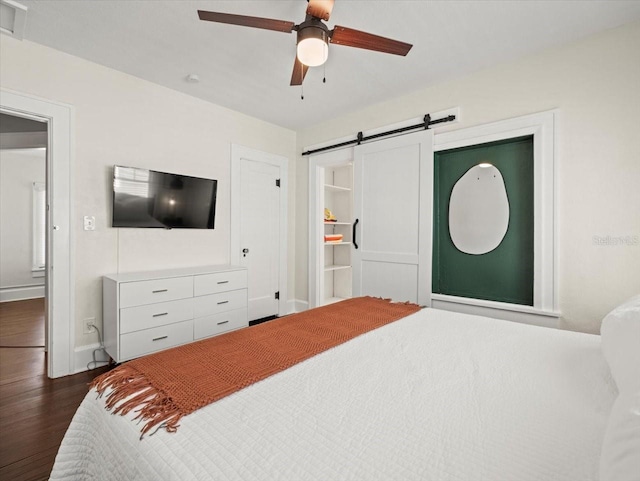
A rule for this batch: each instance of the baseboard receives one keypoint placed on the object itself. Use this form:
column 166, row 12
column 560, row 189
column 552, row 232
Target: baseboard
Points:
column 8, row 294
column 297, row 305
column 84, row 355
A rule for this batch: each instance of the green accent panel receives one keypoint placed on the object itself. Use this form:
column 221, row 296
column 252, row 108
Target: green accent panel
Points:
column 504, row 274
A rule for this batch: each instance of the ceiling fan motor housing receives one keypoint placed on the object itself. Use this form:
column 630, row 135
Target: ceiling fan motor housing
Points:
column 312, row 43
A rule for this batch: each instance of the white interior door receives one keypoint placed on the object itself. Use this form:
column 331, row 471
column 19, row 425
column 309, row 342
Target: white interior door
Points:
column 393, row 192
column 260, row 235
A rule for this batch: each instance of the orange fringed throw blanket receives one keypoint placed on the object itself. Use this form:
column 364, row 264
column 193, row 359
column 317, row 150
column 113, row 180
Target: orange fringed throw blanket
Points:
column 166, row 386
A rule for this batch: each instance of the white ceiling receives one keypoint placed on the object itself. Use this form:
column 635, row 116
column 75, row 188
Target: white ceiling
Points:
column 249, row 70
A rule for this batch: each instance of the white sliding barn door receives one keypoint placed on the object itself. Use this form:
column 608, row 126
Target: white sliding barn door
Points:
column 393, row 187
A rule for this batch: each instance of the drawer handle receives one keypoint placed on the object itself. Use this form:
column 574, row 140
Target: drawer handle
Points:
column 223, row 302
column 160, row 338
column 159, row 290
column 222, row 322
column 161, row 314
column 223, row 282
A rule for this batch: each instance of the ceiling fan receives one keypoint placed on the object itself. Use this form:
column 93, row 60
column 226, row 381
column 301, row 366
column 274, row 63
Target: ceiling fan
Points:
column 312, row 46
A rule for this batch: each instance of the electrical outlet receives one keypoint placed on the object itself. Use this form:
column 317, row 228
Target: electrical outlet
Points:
column 89, row 222
column 86, row 325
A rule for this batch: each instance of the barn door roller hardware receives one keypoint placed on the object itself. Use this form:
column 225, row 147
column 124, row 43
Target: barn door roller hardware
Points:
column 360, row 138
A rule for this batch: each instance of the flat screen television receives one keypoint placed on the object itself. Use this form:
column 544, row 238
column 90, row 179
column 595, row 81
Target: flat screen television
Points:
column 147, row 198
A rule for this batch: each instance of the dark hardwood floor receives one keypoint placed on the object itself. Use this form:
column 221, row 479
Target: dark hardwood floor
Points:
column 22, row 323
column 35, row 411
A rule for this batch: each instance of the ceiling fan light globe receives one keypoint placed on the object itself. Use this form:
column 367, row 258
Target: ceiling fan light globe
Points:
column 312, row 51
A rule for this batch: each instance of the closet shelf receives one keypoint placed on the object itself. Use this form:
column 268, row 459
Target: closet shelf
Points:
column 331, row 205
column 335, row 267
column 336, row 188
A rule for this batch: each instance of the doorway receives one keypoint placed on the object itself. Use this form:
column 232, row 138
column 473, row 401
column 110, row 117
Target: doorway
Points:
column 23, row 171
column 59, row 282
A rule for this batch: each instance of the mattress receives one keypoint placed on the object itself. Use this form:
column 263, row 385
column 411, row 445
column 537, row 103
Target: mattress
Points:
column 434, row 396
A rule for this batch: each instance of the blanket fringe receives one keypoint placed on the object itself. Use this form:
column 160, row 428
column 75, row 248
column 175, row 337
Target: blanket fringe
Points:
column 130, row 389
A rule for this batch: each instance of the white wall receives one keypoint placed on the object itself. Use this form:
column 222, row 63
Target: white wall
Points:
column 124, row 120
column 19, row 169
column 595, row 85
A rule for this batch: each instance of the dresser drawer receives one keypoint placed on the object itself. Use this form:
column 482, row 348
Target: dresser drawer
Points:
column 154, row 315
column 157, row 290
column 139, row 343
column 217, row 303
column 219, row 282
column 219, row 323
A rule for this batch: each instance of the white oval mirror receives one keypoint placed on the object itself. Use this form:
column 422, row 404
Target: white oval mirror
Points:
column 479, row 210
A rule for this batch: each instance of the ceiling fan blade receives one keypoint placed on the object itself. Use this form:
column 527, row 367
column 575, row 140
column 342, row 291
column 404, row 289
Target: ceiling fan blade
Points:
column 355, row 38
column 299, row 71
column 320, row 8
column 245, row 21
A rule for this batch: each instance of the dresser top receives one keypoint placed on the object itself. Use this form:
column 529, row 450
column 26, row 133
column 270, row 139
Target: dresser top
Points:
column 177, row 272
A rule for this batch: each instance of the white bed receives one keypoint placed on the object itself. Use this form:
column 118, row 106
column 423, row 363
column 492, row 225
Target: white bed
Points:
column 434, row 396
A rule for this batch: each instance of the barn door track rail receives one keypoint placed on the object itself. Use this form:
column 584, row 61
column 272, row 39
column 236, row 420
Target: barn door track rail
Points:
column 360, row 138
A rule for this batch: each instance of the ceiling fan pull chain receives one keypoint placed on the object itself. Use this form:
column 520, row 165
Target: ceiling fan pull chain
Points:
column 324, row 73
column 301, row 92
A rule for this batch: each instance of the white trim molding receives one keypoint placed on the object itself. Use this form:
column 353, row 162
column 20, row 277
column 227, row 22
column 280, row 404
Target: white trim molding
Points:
column 39, row 227
column 542, row 126
column 496, row 310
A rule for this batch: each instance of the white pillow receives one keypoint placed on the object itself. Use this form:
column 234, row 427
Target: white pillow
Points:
column 620, row 456
column 620, row 334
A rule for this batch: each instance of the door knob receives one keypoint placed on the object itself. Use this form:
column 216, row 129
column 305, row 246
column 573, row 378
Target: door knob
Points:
column 245, row 251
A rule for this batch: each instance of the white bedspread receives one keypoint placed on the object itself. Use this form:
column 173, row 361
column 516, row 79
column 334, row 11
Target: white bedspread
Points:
column 434, row 396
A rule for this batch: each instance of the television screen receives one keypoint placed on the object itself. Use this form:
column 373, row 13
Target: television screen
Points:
column 146, row 198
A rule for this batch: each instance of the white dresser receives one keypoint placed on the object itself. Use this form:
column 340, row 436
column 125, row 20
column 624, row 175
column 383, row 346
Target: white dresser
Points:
column 145, row 312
